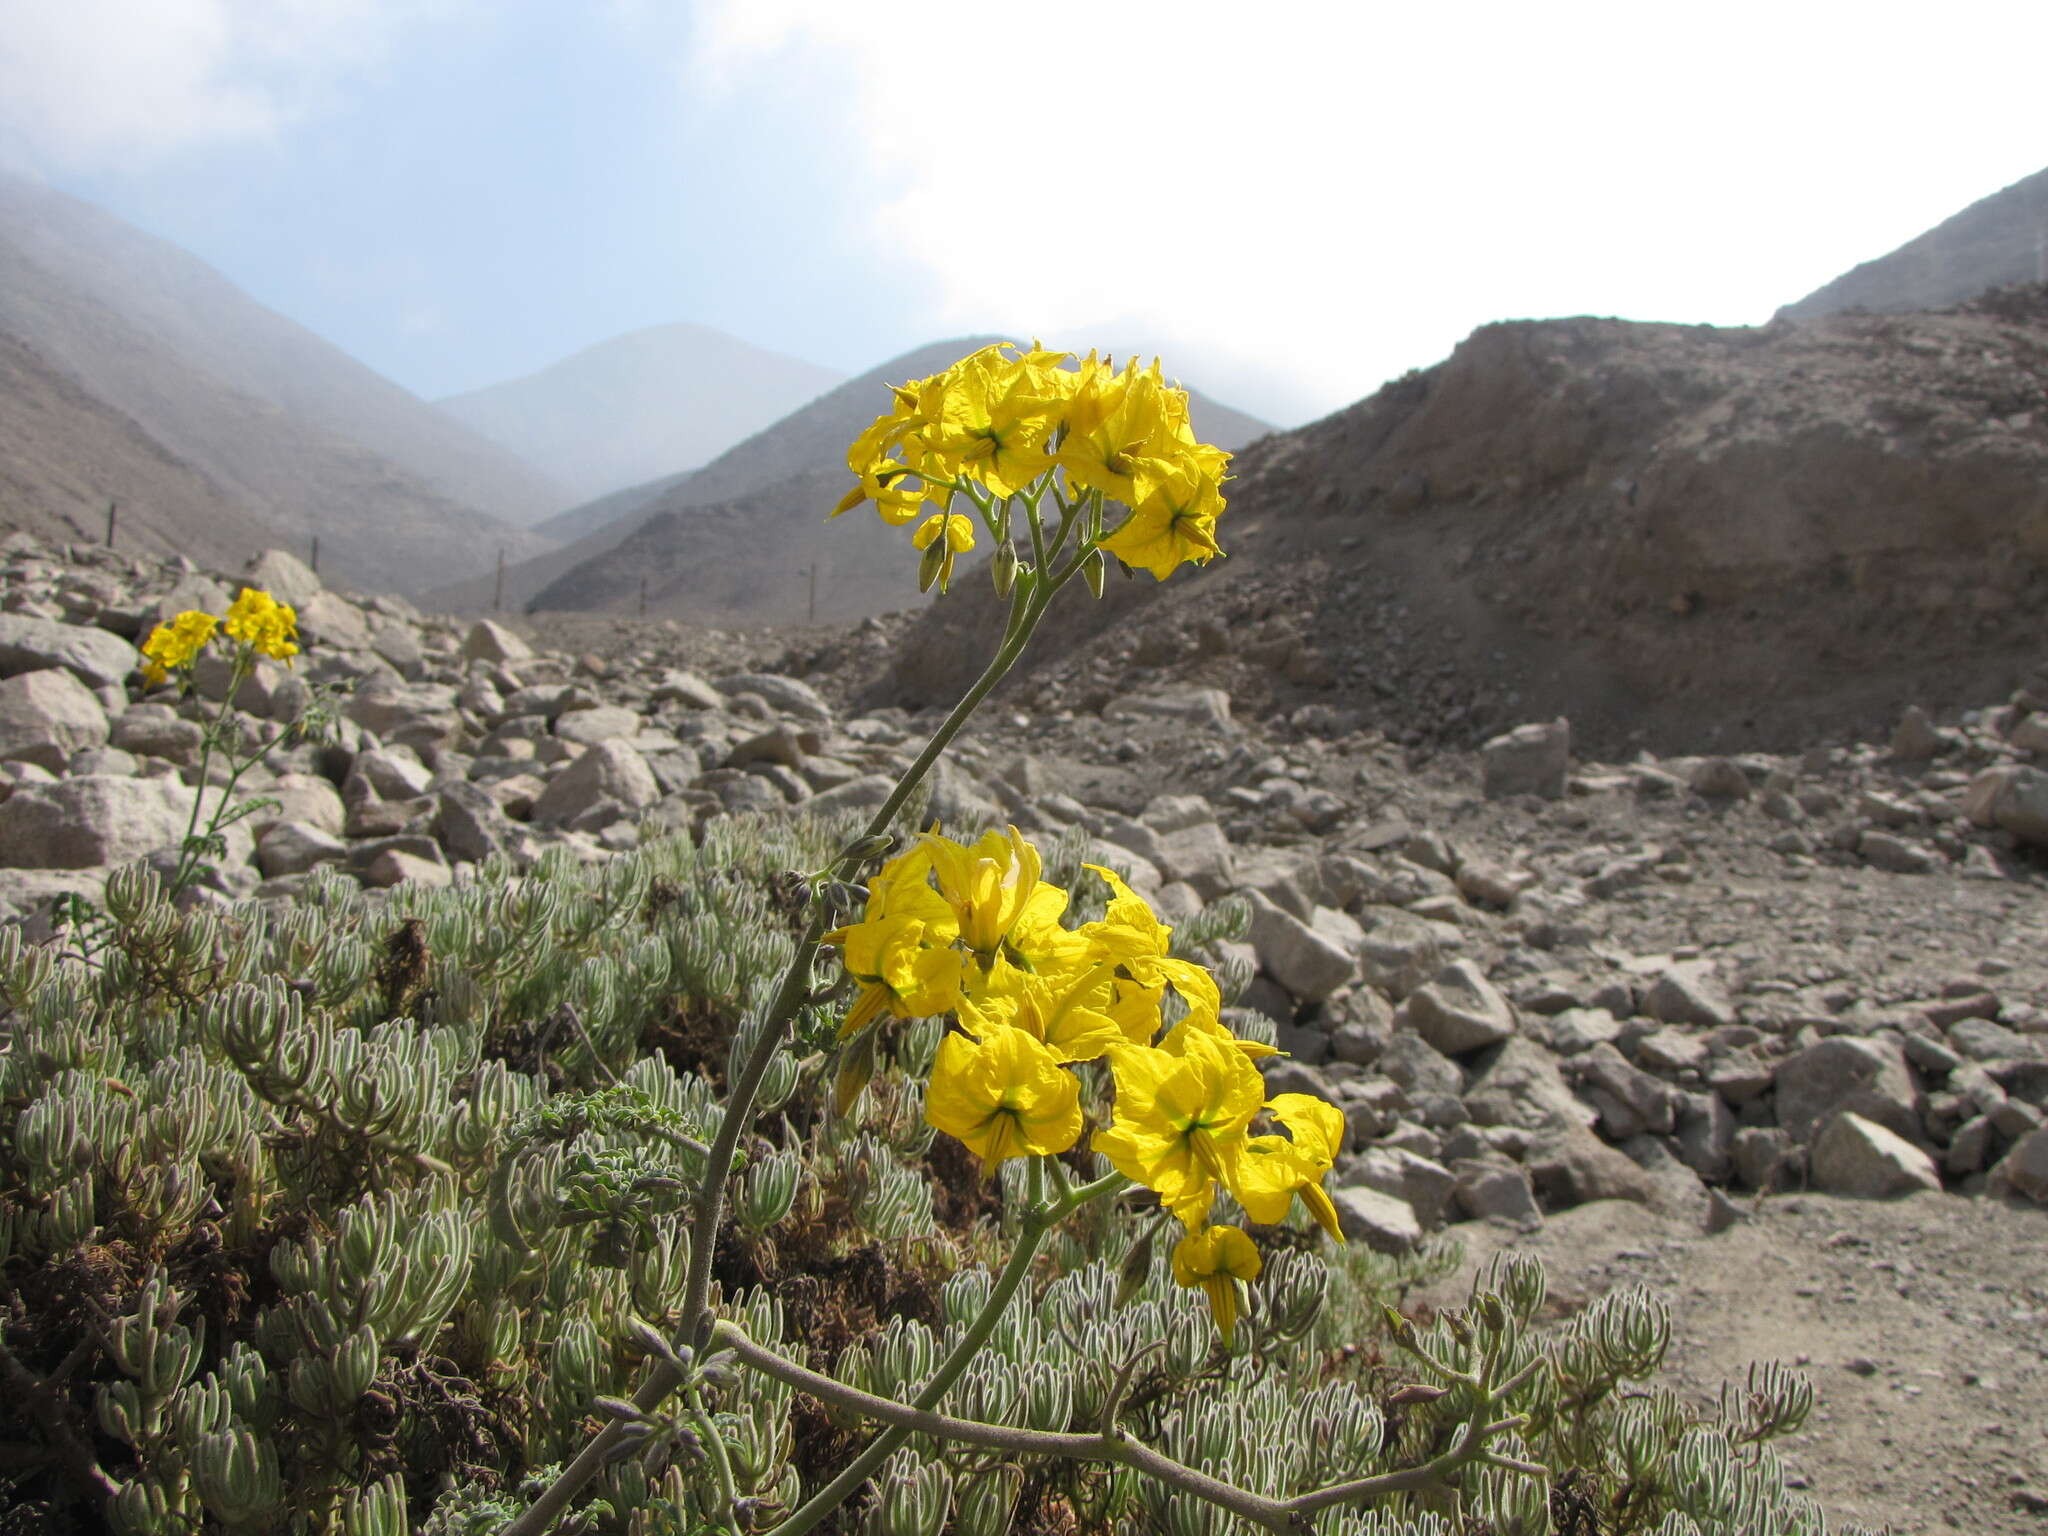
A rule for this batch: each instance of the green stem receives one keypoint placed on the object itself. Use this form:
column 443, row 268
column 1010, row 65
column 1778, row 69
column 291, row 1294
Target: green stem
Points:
column 1026, row 609
column 721, row 1464
column 1038, row 1221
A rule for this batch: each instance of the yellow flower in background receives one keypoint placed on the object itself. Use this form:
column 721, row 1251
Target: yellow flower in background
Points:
column 174, row 645
column 1003, row 1096
column 1216, row 1258
column 1271, row 1170
column 265, row 625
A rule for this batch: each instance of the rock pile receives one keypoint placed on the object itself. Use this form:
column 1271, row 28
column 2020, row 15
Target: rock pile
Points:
column 1529, row 982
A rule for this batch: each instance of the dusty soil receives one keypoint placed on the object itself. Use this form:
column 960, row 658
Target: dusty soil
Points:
column 1923, row 1324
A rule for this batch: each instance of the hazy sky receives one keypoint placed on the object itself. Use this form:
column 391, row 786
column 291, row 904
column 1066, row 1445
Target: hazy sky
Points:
column 1292, row 201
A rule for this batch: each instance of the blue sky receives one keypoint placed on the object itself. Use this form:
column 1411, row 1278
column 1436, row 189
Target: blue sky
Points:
column 1292, row 202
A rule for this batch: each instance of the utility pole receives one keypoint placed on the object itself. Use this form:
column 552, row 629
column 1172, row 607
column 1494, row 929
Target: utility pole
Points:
column 316, row 554
column 814, row 592
column 113, row 517
column 498, row 598
column 643, row 597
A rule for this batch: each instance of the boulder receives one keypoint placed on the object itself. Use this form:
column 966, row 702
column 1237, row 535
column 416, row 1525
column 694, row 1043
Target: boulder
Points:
column 587, row 727
column 284, row 576
column 1399, row 952
column 611, row 770
column 1384, row 1223
column 47, row 717
column 1686, row 993
column 785, row 694
column 84, row 822
column 2024, row 1170
column 1844, row 1074
column 1858, row 1157
column 1519, row 1083
column 1534, row 759
column 492, row 642
column 95, row 657
column 1458, row 1010
column 1302, row 960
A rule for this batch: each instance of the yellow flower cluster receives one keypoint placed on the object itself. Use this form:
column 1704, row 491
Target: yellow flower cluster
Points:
column 1005, row 418
column 974, row 932
column 265, row 625
column 255, row 620
column 174, row 645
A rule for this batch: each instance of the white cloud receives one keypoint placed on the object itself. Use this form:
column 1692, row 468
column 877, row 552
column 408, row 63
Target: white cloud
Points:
column 93, row 84
column 1339, row 191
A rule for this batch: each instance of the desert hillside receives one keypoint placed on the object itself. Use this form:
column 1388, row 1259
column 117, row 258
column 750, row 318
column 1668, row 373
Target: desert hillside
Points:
column 1996, row 241
column 1675, row 534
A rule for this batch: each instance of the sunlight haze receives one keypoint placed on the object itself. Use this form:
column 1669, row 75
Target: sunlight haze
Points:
column 1292, row 204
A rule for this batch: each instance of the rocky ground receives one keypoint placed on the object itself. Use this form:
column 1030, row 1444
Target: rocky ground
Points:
column 1767, row 1032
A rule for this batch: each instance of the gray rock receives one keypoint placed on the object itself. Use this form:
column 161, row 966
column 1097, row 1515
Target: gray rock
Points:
column 1200, row 855
column 1534, row 759
column 80, row 823
column 1896, row 855
column 494, row 643
column 93, row 656
column 47, row 717
column 1857, row 1157
column 1294, row 954
column 1630, row 1101
column 1844, row 1074
column 304, row 798
column 1399, row 952
column 1384, row 1223
column 385, row 774
column 1419, row 1067
column 687, row 689
column 470, row 824
column 603, row 722
column 1424, row 1184
column 2024, row 1170
column 283, row 575
column 783, row 693
column 1719, row 778
column 1490, row 1190
column 333, row 622
column 394, row 866
column 1459, row 1011
column 1518, row 1083
column 1687, row 994
column 1573, row 1167
column 292, row 848
column 611, row 770
column 157, row 730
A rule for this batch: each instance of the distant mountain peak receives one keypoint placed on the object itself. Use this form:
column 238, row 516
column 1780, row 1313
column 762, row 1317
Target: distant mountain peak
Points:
column 642, row 405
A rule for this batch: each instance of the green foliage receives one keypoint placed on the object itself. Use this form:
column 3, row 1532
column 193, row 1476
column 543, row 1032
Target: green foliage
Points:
column 361, row 1215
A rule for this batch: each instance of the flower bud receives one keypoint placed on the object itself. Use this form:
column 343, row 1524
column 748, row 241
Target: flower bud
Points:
column 1096, row 570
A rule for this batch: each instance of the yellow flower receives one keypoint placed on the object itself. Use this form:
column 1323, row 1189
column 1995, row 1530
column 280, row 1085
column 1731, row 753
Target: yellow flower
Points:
column 993, row 419
column 1003, row 1096
column 1216, row 1258
column 1006, row 913
column 901, row 950
column 174, row 645
column 1271, row 1170
column 958, row 533
column 1064, row 1012
column 895, row 489
column 1174, row 524
column 1181, row 1116
column 265, row 625
column 1119, row 435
